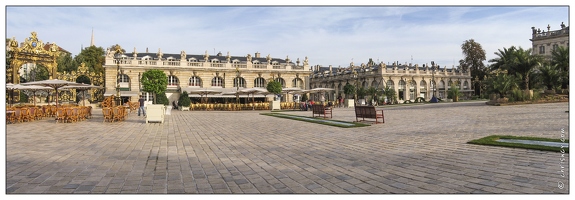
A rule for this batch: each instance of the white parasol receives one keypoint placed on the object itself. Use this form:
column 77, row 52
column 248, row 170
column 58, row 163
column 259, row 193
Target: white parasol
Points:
column 83, row 88
column 54, row 84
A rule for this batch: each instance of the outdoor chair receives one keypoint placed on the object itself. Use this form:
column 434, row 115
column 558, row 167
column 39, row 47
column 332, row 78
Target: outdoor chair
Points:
column 60, row 114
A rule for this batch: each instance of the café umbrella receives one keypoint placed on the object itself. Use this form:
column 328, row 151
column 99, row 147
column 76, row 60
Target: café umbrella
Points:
column 33, row 89
column 253, row 91
column 83, row 88
column 202, row 92
column 54, row 84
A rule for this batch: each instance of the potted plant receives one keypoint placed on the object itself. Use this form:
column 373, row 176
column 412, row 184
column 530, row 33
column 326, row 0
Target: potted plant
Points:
column 275, row 87
column 155, row 81
column 348, row 89
column 454, row 93
column 184, row 101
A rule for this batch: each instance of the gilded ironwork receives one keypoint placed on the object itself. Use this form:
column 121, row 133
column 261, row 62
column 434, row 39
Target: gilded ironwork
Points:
column 31, row 51
column 95, row 79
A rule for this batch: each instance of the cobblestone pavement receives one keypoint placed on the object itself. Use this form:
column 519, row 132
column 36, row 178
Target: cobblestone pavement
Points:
column 420, row 149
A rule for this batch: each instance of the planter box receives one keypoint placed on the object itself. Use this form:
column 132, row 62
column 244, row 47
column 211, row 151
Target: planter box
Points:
column 275, row 105
column 155, row 113
column 169, row 110
column 348, row 103
column 184, row 108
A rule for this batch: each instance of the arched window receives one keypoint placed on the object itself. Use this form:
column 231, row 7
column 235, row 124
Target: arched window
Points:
column 217, row 82
column 449, row 84
column 239, row 81
column 297, row 83
column 423, row 85
column 465, row 85
column 172, row 80
column 260, row 82
column 374, row 84
column 541, row 49
column 441, row 85
column 281, row 80
column 124, row 81
column 401, row 85
column 390, row 84
column 555, row 46
column 195, row 81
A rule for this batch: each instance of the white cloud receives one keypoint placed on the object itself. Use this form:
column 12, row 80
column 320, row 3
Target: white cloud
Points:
column 327, row 35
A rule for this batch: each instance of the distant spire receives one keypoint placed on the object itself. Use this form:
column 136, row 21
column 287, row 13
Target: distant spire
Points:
column 92, row 41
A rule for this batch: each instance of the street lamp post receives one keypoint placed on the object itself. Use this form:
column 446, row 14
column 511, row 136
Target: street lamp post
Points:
column 356, row 87
column 118, row 56
column 237, row 85
column 433, row 98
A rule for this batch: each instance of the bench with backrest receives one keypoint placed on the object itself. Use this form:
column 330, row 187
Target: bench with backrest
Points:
column 318, row 109
column 368, row 112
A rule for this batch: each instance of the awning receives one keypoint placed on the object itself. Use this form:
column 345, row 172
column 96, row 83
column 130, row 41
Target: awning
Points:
column 228, row 96
column 122, row 93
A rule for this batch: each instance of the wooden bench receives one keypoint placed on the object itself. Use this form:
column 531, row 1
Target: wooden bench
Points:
column 368, row 112
column 319, row 110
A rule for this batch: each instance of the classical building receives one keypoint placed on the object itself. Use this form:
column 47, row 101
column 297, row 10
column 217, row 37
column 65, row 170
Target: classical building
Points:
column 223, row 73
column 408, row 81
column 545, row 42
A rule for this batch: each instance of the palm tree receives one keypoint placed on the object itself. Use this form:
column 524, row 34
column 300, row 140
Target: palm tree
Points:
column 501, row 84
column 524, row 63
column 504, row 60
column 560, row 57
column 550, row 75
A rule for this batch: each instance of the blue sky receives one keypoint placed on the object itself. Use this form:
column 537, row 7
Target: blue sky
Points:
column 327, row 35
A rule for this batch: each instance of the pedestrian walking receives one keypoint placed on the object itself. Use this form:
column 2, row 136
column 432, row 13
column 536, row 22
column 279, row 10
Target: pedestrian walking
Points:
column 141, row 101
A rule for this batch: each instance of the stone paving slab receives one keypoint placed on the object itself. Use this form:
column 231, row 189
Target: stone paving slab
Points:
column 420, row 149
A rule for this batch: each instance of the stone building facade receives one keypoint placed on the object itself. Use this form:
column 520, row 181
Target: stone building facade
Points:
column 545, row 42
column 191, row 72
column 408, row 81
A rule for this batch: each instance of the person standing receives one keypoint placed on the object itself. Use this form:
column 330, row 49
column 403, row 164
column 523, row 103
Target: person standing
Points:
column 141, row 101
column 340, row 99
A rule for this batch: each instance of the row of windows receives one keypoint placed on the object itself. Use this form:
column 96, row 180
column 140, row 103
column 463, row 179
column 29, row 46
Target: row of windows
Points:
column 218, row 81
column 212, row 61
column 542, row 48
column 402, row 84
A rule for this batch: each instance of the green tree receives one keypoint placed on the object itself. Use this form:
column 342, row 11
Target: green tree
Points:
column 371, row 91
column 39, row 73
column 390, row 94
column 501, row 84
column 304, row 97
column 550, row 76
column 560, row 57
column 93, row 57
column 274, row 87
column 348, row 89
column 83, row 79
column 504, row 60
column 517, row 62
column 454, row 93
column 66, row 63
column 474, row 55
column 361, row 92
column 524, row 64
column 162, row 99
column 154, row 81
column 184, row 100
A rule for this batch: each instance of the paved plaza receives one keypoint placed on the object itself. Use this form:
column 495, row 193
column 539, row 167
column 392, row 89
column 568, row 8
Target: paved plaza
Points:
column 420, row 149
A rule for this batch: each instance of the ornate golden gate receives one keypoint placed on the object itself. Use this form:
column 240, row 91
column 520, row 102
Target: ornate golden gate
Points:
column 35, row 51
column 95, row 79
